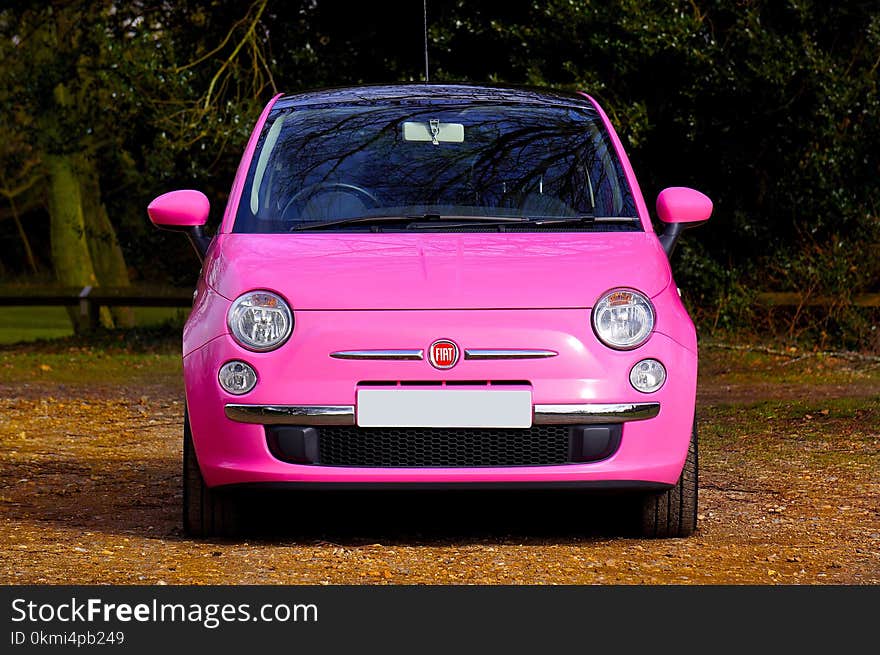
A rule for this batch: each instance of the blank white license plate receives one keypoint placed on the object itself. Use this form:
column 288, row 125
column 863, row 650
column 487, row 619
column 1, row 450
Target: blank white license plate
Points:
column 444, row 408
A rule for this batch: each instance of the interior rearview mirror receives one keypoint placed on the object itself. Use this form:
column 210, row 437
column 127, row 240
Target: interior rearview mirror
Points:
column 433, row 131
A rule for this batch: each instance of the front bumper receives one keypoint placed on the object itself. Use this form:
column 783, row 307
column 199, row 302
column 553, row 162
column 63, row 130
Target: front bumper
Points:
column 580, row 414
column 301, row 384
column 329, row 436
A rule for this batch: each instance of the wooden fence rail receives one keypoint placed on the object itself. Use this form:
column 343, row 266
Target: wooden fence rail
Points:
column 91, row 299
column 793, row 299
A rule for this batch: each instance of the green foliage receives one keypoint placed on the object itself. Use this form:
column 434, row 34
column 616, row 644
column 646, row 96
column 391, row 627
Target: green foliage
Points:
column 715, row 295
column 769, row 106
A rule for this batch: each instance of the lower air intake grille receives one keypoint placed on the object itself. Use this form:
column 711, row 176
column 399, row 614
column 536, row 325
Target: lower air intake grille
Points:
column 540, row 445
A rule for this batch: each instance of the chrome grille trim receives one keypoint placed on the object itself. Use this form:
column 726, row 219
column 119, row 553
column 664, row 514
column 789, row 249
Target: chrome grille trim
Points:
column 398, row 355
column 508, row 353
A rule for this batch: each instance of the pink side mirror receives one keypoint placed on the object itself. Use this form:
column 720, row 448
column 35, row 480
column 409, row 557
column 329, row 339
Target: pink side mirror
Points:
column 679, row 204
column 680, row 208
column 185, row 210
column 179, row 209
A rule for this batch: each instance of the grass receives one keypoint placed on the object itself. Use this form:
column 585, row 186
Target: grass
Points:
column 728, row 367
column 778, row 403
column 107, row 358
column 32, row 323
column 838, row 431
column 26, row 324
column 89, row 367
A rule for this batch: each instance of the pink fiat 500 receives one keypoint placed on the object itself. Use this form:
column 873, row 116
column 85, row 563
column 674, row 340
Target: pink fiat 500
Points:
column 438, row 287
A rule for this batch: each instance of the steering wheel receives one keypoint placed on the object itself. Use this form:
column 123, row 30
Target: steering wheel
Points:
column 309, row 192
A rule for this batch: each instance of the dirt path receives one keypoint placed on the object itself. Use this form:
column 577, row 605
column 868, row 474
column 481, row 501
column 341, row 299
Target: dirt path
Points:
column 90, row 493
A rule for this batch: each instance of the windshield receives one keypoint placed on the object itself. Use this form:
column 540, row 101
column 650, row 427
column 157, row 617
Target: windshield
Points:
column 373, row 166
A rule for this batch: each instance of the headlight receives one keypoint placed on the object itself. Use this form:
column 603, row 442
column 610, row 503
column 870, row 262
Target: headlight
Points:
column 260, row 320
column 623, row 319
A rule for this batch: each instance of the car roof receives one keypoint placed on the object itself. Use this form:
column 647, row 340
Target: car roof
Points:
column 428, row 93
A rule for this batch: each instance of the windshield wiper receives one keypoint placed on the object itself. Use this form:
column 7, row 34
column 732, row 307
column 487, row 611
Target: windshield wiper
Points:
column 409, row 218
column 500, row 221
column 554, row 220
column 418, row 221
column 585, row 218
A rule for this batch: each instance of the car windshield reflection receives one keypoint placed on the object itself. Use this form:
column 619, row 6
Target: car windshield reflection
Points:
column 339, row 165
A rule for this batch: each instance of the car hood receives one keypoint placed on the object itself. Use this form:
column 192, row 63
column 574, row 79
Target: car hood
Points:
column 438, row 270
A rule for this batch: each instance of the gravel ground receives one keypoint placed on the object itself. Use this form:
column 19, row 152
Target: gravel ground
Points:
column 790, row 491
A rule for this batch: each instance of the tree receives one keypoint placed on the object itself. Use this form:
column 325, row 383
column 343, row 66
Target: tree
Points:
column 55, row 77
column 78, row 73
column 769, row 106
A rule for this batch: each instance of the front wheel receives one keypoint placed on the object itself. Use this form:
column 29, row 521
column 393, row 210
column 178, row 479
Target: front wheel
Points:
column 206, row 512
column 673, row 513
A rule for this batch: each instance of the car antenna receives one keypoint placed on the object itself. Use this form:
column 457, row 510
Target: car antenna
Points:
column 427, row 72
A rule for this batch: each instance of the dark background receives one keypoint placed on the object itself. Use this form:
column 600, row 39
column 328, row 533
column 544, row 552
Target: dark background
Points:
column 769, row 107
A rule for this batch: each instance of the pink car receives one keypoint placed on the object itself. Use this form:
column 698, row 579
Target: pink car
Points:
column 438, row 287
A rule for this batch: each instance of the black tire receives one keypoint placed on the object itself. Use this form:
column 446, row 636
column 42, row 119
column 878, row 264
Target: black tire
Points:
column 206, row 512
column 673, row 513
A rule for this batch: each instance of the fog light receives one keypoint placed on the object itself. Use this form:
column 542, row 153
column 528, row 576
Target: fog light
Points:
column 647, row 376
column 237, row 377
